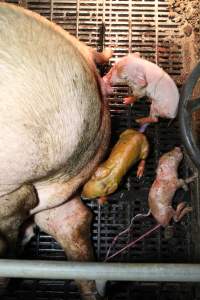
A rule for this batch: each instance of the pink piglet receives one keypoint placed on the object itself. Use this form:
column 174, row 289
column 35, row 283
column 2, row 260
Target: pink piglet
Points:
column 145, row 79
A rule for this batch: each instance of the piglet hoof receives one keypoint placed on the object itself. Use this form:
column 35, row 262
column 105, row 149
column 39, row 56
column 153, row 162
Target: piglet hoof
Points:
column 181, row 211
column 129, row 100
column 140, row 169
column 103, row 200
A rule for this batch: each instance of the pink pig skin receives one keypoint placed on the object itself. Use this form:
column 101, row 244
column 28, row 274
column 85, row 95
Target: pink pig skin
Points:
column 164, row 187
column 146, row 79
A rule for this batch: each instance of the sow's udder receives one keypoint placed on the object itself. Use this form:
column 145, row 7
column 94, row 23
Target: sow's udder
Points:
column 50, row 113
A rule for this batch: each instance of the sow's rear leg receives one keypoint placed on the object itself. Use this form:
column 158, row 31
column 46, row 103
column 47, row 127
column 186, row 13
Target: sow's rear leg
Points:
column 14, row 210
column 69, row 224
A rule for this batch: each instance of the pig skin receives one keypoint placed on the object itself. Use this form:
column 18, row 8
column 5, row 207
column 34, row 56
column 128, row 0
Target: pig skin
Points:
column 54, row 120
column 70, row 224
column 15, row 209
column 164, row 187
column 145, row 79
column 53, row 116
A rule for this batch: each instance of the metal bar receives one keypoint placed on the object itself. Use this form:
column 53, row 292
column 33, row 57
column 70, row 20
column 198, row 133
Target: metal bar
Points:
column 99, row 233
column 100, row 271
column 23, row 3
column 130, row 26
column 77, row 17
column 104, row 11
column 156, row 31
column 51, row 10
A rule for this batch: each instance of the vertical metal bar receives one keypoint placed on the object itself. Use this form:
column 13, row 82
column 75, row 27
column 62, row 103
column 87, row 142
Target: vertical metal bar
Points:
column 129, row 109
column 157, row 156
column 77, row 17
column 98, row 30
column 110, row 22
column 130, row 26
column 157, row 126
column 129, row 121
column 99, row 233
column 37, row 241
column 104, row 12
column 156, row 31
column 51, row 10
column 22, row 3
column 103, row 26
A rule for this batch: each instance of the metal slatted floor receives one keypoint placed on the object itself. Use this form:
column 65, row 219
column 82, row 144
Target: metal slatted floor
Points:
column 129, row 26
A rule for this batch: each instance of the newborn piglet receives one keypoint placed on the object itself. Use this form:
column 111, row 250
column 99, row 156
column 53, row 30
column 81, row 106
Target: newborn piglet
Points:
column 164, row 187
column 160, row 199
column 145, row 79
column 131, row 148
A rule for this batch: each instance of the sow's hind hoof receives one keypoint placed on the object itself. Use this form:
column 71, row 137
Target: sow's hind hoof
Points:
column 88, row 290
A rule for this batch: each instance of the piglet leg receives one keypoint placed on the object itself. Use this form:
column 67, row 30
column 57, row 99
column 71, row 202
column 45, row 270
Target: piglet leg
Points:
column 69, row 224
column 181, row 211
column 130, row 100
column 142, row 121
column 182, row 183
column 140, row 169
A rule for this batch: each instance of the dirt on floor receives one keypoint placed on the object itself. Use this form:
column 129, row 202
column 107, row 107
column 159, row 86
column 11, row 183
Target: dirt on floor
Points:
column 186, row 13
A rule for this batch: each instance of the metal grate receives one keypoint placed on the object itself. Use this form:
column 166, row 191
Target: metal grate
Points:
column 129, row 26
column 62, row 290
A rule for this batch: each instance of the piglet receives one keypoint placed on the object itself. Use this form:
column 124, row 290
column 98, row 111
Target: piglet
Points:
column 164, row 187
column 131, row 147
column 145, row 79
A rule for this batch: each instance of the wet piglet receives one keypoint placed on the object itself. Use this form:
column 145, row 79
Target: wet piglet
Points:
column 131, row 148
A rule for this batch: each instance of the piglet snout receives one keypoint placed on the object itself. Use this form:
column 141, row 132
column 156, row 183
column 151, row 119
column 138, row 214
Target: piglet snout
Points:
column 177, row 153
column 177, row 149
